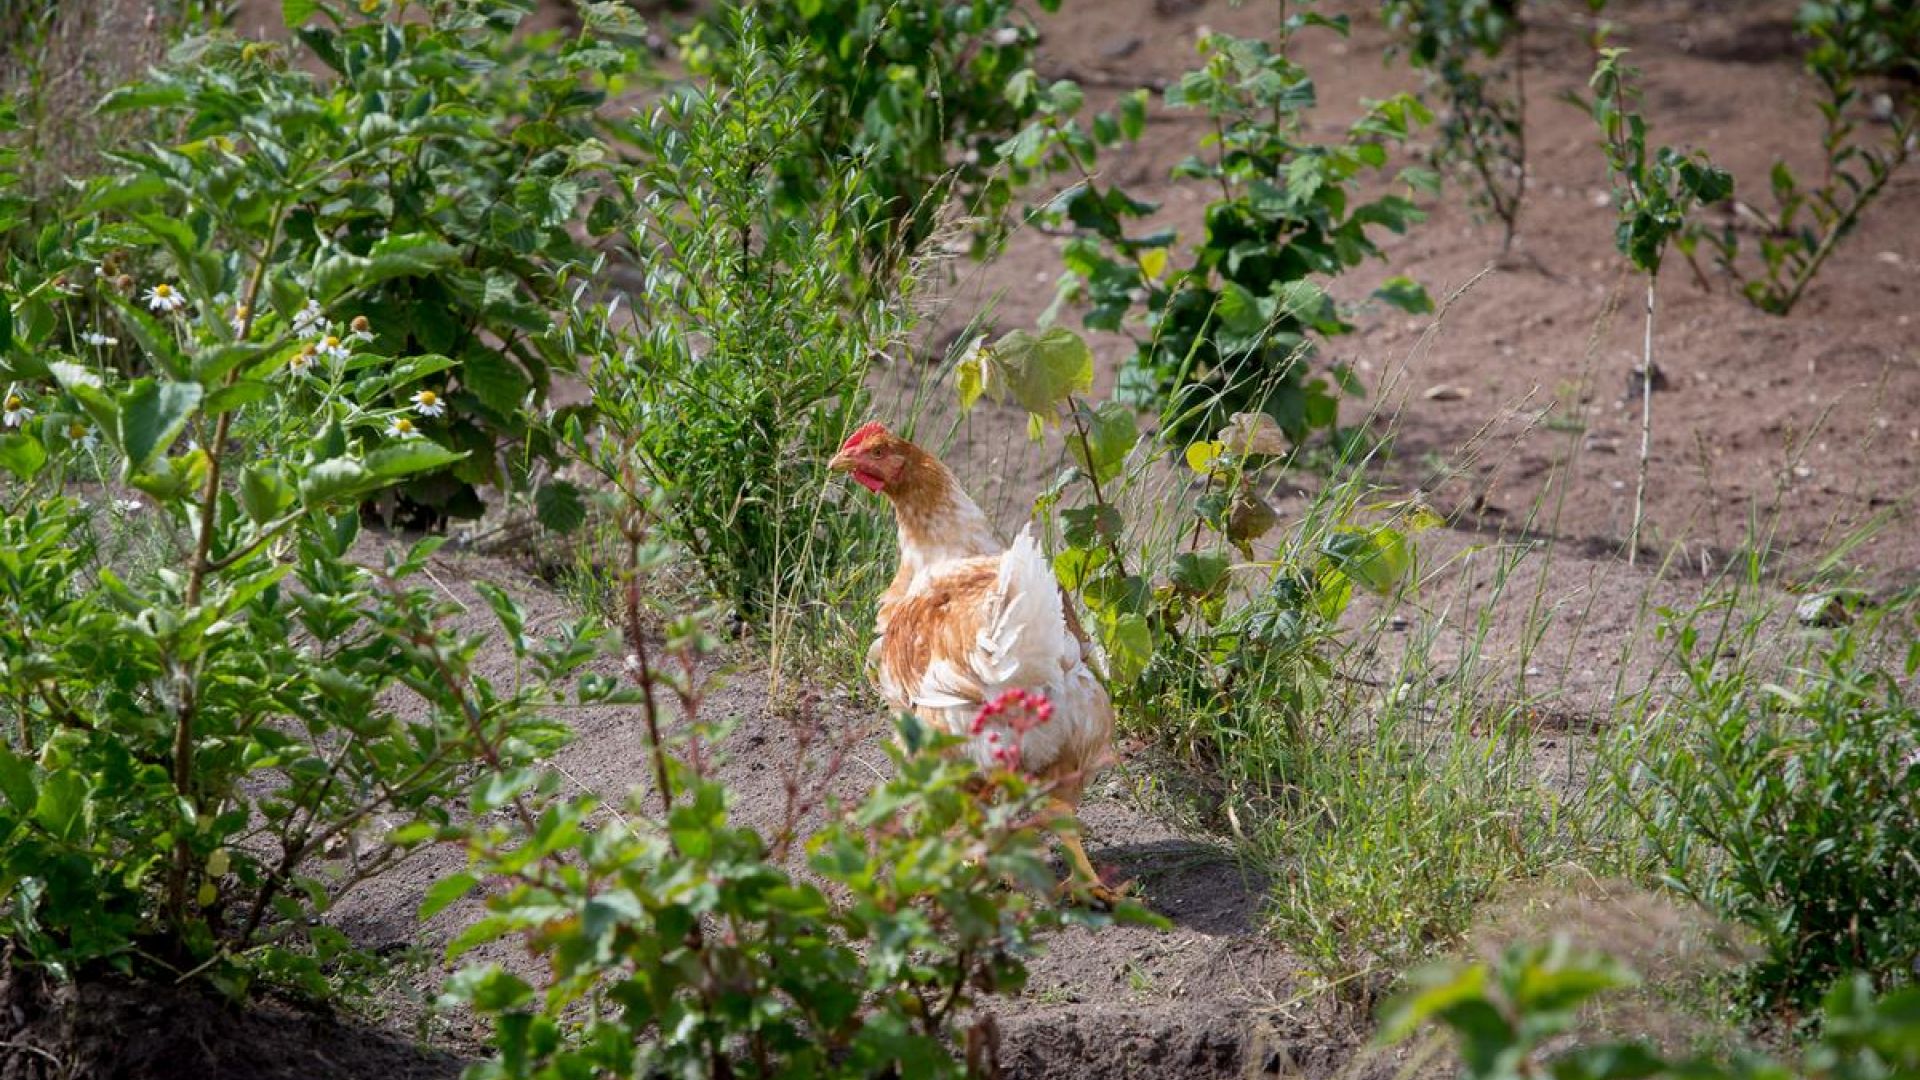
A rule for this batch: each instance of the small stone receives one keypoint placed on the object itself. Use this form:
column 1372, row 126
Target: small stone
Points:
column 1444, row 392
column 1891, row 258
column 1119, row 48
column 1634, row 376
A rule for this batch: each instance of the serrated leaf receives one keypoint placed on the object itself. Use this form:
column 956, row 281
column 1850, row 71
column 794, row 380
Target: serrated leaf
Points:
column 264, row 494
column 559, row 506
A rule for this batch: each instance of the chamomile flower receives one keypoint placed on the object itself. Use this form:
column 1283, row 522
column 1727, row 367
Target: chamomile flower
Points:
column 311, row 322
column 402, row 428
column 360, row 329
column 16, row 412
column 164, row 299
column 94, row 339
column 129, row 506
column 428, row 403
column 333, row 350
column 303, row 362
column 82, row 436
column 238, row 320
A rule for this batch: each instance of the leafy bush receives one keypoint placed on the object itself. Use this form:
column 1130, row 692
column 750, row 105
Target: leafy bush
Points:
column 1230, row 332
column 913, row 90
column 1245, row 672
column 1794, row 809
column 745, row 368
column 1483, row 131
column 1653, row 198
column 695, row 945
column 1852, row 39
column 428, row 185
column 1510, row 1020
column 188, row 737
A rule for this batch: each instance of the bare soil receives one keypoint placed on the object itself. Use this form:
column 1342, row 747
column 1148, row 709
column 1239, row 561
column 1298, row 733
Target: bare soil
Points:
column 1804, row 427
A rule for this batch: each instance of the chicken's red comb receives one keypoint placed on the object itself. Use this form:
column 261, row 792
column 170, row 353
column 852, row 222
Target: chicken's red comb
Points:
column 869, row 430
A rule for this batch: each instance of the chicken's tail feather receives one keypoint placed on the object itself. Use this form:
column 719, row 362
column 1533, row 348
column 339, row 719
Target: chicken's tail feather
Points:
column 1026, row 643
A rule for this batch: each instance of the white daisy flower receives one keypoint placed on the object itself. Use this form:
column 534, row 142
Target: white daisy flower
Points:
column 94, row 339
column 311, row 322
column 82, row 436
column 361, row 329
column 333, row 350
column 16, row 412
column 164, row 299
column 303, row 362
column 402, row 428
column 238, row 320
column 129, row 506
column 428, row 403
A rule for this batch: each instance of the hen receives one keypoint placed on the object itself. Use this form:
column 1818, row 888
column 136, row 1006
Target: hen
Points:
column 967, row 619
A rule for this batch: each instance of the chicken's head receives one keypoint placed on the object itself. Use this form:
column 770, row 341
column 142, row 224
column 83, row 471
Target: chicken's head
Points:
column 874, row 457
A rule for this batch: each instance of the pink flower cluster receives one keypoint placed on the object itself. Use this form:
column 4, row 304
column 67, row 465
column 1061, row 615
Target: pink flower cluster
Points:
column 1015, row 711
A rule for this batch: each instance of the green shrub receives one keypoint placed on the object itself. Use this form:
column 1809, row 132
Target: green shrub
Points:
column 188, row 737
column 1231, row 331
column 1794, row 809
column 1852, row 40
column 427, row 184
column 913, row 90
column 1483, row 131
column 746, row 365
column 1511, row 1019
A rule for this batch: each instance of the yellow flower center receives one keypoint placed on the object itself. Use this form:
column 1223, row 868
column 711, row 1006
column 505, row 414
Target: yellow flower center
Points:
column 14, row 403
column 242, row 311
column 332, row 342
column 403, row 424
column 360, row 324
column 426, row 397
column 163, row 290
column 77, row 431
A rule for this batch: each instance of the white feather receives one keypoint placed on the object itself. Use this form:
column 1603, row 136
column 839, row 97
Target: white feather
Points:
column 1023, row 642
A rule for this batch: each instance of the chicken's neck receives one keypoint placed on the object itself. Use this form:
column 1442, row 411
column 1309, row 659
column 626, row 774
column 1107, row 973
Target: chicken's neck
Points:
column 939, row 522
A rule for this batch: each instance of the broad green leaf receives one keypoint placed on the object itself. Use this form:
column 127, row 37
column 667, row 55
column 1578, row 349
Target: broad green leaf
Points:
column 332, row 479
column 295, row 14
column 442, row 893
column 406, row 255
column 407, row 457
column 1200, row 574
column 22, row 455
column 1110, row 436
column 1128, row 641
column 152, row 415
column 1404, row 293
column 1040, row 372
column 264, row 493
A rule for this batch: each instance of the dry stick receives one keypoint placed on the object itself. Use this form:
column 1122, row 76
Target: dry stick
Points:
column 1646, row 427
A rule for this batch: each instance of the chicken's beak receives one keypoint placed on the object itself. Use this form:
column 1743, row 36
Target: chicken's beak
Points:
column 841, row 462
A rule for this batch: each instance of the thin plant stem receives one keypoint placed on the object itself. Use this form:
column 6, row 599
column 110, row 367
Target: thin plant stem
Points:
column 1646, row 427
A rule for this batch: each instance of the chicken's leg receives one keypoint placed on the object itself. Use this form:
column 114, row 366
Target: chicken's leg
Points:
column 1083, row 881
